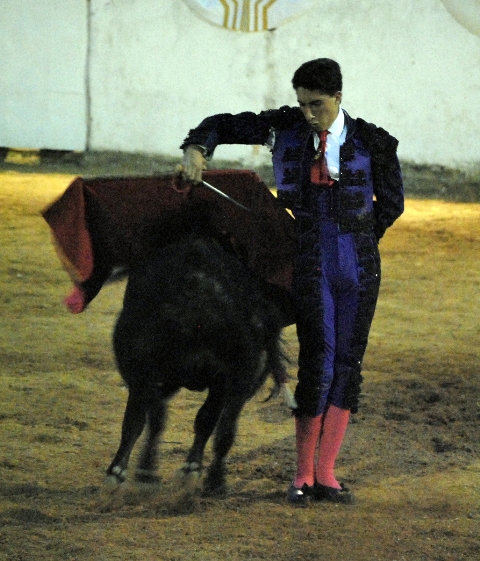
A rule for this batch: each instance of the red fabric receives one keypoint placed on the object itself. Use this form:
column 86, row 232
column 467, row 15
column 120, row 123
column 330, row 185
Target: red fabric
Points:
column 319, row 174
column 103, row 216
column 75, row 301
column 66, row 218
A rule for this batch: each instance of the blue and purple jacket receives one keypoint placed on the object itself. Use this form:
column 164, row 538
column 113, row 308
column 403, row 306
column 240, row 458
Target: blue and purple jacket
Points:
column 370, row 190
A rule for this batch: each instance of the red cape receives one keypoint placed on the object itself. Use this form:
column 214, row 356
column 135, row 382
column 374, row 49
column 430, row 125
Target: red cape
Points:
column 96, row 223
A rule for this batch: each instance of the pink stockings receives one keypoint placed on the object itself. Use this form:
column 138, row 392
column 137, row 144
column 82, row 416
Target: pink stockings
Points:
column 327, row 431
column 307, row 431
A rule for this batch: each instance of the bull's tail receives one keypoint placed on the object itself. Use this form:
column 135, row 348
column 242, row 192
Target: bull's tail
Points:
column 282, row 386
column 276, row 367
column 289, row 397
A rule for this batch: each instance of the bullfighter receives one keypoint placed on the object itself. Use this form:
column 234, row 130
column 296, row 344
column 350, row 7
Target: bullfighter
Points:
column 340, row 177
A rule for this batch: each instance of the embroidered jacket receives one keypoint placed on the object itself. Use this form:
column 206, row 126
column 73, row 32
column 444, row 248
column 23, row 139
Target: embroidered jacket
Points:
column 370, row 190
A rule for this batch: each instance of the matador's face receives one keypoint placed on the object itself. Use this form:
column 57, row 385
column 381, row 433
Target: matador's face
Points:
column 319, row 109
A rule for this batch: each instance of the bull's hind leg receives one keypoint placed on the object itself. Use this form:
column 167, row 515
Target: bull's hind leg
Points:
column 156, row 417
column 133, row 423
column 205, row 422
column 215, row 481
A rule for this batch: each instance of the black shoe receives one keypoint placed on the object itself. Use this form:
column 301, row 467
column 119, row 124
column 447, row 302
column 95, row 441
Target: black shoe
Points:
column 332, row 495
column 299, row 496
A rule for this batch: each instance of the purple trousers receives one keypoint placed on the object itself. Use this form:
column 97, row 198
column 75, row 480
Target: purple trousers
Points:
column 336, row 283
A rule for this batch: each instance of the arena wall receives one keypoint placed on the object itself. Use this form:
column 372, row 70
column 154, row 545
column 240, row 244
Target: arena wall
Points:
column 136, row 75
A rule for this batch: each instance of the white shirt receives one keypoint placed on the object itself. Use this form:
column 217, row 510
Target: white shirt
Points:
column 337, row 133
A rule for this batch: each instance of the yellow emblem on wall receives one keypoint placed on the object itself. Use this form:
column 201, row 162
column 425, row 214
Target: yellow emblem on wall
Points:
column 466, row 12
column 249, row 15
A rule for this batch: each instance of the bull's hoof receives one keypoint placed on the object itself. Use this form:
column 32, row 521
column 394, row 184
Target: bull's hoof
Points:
column 116, row 475
column 147, row 477
column 214, row 489
column 191, row 470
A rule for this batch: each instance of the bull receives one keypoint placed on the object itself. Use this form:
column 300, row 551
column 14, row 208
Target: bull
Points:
column 194, row 316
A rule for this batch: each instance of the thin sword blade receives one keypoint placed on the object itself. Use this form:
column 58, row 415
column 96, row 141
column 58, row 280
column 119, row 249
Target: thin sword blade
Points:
column 225, row 195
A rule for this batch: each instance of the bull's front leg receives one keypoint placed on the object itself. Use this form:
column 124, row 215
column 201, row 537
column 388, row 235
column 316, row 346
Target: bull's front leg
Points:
column 133, row 423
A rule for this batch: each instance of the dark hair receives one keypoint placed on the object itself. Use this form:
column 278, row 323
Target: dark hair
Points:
column 322, row 74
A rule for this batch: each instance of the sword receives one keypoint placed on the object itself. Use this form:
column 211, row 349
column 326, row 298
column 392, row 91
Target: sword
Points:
column 226, row 196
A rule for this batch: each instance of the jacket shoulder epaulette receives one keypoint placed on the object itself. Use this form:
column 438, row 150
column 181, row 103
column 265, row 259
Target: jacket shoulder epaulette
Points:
column 378, row 141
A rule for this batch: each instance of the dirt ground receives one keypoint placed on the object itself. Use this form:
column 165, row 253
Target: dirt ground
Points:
column 411, row 453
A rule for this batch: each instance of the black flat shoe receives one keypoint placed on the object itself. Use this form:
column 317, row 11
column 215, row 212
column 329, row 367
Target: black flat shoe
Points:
column 299, row 496
column 332, row 495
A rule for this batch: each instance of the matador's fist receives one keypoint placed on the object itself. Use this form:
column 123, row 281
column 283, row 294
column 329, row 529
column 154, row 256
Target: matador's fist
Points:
column 193, row 164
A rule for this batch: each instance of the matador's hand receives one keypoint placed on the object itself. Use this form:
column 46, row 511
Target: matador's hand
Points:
column 193, row 164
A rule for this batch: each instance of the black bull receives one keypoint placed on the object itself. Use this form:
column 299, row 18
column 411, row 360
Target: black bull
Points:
column 194, row 316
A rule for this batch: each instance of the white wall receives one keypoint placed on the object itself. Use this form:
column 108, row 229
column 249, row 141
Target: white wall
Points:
column 169, row 69
column 42, row 76
column 156, row 70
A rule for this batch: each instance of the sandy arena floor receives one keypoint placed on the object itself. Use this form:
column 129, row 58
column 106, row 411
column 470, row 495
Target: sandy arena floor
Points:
column 411, row 454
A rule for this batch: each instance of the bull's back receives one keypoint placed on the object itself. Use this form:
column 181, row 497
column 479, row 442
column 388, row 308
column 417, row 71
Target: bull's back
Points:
column 192, row 313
